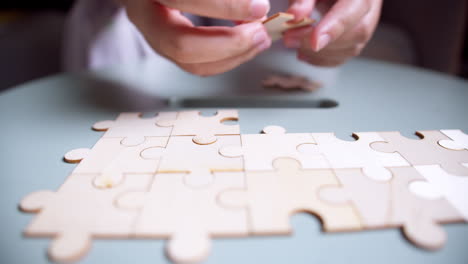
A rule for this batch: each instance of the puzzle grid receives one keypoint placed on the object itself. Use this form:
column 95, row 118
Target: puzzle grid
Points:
column 189, row 178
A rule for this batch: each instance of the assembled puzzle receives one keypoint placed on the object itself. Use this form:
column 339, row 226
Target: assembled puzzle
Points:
column 189, row 178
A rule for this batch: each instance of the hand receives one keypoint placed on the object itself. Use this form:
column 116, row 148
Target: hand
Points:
column 201, row 50
column 341, row 34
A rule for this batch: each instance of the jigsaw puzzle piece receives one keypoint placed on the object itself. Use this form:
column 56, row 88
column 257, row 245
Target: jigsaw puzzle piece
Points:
column 343, row 154
column 110, row 160
column 370, row 198
column 277, row 24
column 259, row 150
column 392, row 204
column 133, row 128
column 181, row 155
column 291, row 82
column 420, row 218
column 459, row 140
column 424, row 151
column 78, row 212
column 452, row 187
column 187, row 216
column 273, row 196
column 203, row 128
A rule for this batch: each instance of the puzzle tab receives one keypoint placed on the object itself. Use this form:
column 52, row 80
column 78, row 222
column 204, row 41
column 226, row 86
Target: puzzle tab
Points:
column 189, row 178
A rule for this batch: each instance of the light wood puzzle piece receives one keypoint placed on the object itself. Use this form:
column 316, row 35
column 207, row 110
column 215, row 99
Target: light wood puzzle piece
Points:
column 370, row 198
column 273, row 196
column 188, row 217
column 280, row 22
column 420, row 218
column 424, row 151
column 182, row 155
column 203, row 128
column 109, row 160
column 392, row 204
column 343, row 154
column 133, row 128
column 79, row 212
column 291, row 82
column 259, row 150
column 459, row 140
column 454, row 188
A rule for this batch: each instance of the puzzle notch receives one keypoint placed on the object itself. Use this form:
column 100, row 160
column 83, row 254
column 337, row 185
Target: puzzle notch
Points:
column 109, row 160
column 273, row 196
column 198, row 161
column 259, row 150
column 424, row 151
column 78, row 212
column 133, row 128
column 203, row 129
column 187, row 216
column 358, row 154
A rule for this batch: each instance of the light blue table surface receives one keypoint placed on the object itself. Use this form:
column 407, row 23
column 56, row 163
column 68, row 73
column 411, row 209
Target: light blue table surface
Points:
column 42, row 120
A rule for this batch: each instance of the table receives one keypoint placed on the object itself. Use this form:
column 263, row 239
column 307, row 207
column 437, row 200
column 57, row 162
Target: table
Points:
column 42, row 120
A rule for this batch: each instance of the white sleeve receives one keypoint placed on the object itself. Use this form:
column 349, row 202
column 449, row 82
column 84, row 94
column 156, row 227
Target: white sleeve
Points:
column 98, row 33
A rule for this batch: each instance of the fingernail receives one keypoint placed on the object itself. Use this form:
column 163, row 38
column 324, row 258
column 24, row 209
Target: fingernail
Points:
column 292, row 43
column 322, row 42
column 259, row 37
column 258, row 9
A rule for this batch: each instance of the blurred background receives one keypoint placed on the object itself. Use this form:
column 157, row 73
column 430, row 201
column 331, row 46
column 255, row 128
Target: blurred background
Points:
column 432, row 34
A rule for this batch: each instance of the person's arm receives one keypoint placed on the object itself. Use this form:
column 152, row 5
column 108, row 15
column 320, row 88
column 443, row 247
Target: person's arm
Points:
column 201, row 50
column 341, row 34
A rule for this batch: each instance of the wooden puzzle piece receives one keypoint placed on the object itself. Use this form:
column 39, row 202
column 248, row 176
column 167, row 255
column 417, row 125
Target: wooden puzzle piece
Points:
column 343, row 154
column 259, row 150
column 133, row 128
column 78, row 212
column 273, row 196
column 420, row 218
column 454, row 188
column 370, row 198
column 291, row 82
column 277, row 24
column 424, row 151
column 188, row 217
column 204, row 129
column 110, row 160
column 392, row 204
column 182, row 155
column 459, row 140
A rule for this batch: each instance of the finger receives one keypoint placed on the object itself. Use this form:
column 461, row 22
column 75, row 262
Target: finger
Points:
column 301, row 8
column 322, row 61
column 213, row 68
column 328, row 57
column 342, row 17
column 173, row 36
column 294, row 37
column 245, row 10
column 362, row 32
column 338, row 54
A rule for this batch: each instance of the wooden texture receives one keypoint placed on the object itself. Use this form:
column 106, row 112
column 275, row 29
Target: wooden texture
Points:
column 273, row 196
column 108, row 160
column 424, row 151
column 259, row 150
column 133, row 128
column 280, row 22
column 203, row 128
column 357, row 154
column 188, row 217
column 78, row 212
